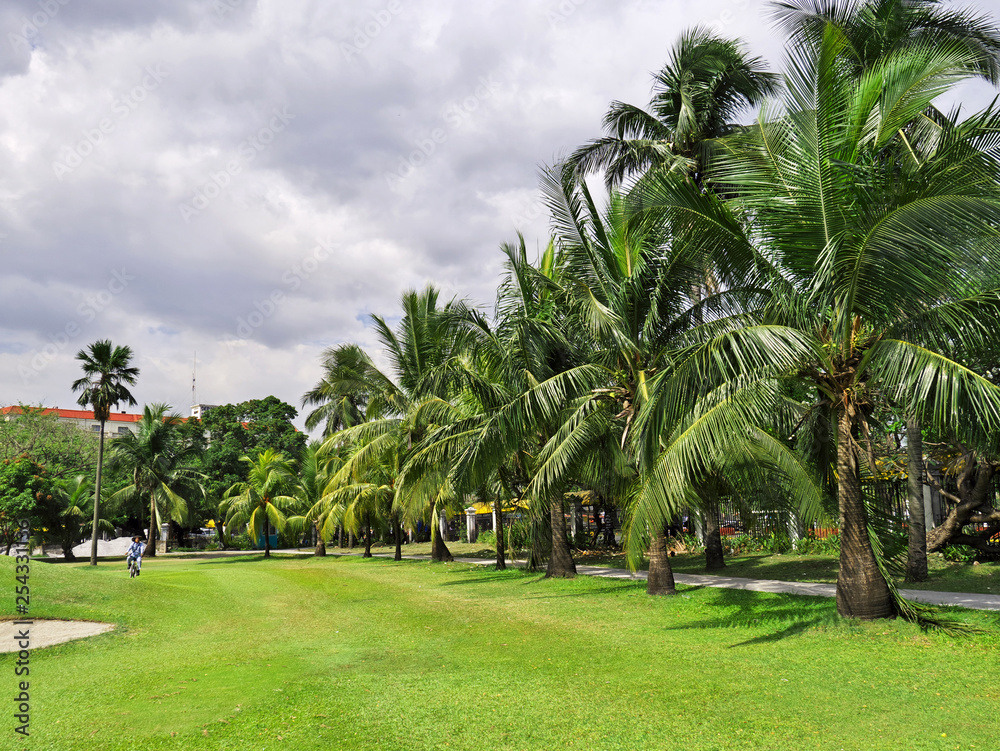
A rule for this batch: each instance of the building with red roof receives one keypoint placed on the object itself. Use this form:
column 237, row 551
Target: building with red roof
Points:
column 118, row 423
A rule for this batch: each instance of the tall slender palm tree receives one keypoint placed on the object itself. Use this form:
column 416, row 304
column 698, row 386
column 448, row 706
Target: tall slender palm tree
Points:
column 263, row 500
column 698, row 96
column 107, row 374
column 882, row 253
column 159, row 462
column 341, row 396
column 315, row 468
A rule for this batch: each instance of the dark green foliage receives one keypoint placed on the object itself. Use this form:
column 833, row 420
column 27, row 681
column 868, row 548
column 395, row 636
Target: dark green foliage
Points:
column 23, row 483
column 245, row 429
column 64, row 450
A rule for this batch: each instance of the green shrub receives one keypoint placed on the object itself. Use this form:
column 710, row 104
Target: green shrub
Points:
column 242, row 541
column 487, row 538
column 960, row 553
column 812, row 545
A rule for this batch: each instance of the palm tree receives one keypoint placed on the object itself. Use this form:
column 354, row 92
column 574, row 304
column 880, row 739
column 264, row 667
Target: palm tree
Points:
column 882, row 253
column 706, row 84
column 873, row 29
column 341, row 396
column 107, row 373
column 314, row 471
column 361, row 496
column 159, row 462
column 403, row 409
column 66, row 514
column 261, row 501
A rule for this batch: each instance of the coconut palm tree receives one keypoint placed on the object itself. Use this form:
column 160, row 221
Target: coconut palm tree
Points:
column 404, row 408
column 264, row 499
column 315, row 467
column 873, row 29
column 698, row 96
column 882, row 256
column 66, row 513
column 107, row 374
column 341, row 396
column 159, row 462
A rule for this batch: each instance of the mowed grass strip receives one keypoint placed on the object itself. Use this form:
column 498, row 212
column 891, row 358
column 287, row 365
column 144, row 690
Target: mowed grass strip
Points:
column 242, row 653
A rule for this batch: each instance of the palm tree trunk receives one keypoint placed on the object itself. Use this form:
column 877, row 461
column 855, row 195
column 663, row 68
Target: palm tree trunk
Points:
column 220, row 532
column 320, row 543
column 862, row 591
column 916, row 558
column 439, row 551
column 661, row 576
column 350, row 540
column 340, row 537
column 368, row 539
column 714, row 555
column 498, row 523
column 397, row 532
column 560, row 560
column 150, row 551
column 267, row 538
column 97, row 497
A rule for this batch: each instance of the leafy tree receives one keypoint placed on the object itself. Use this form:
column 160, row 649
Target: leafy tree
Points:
column 872, row 30
column 107, row 374
column 23, row 485
column 159, row 462
column 245, row 429
column 64, row 450
column 315, row 468
column 262, row 499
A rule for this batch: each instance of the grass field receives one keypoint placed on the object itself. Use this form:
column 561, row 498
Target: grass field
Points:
column 346, row 653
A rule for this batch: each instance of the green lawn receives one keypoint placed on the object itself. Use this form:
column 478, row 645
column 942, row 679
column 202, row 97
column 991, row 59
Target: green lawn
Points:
column 346, row 653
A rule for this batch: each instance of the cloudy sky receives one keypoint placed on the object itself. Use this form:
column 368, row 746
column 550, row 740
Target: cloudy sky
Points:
column 249, row 179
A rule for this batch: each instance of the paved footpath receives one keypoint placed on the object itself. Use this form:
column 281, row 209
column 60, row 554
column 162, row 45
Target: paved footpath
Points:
column 815, row 589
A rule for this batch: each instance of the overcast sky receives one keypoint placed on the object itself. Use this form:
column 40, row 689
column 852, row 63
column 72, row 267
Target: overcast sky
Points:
column 249, row 180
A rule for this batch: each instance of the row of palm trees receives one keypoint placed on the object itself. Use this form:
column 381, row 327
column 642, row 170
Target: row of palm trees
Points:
column 725, row 318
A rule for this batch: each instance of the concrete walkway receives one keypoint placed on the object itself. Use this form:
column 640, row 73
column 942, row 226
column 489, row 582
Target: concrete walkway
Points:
column 813, row 589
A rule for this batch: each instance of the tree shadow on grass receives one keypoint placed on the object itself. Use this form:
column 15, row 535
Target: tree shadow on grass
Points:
column 786, row 615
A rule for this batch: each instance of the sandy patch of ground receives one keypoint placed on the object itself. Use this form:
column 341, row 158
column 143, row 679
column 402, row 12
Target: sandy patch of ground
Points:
column 45, row 633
